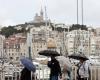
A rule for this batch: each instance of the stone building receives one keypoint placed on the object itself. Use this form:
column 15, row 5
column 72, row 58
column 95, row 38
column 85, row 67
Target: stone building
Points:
column 15, row 47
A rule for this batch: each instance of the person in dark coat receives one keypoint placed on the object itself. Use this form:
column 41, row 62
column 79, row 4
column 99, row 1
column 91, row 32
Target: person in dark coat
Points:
column 83, row 70
column 25, row 74
column 55, row 70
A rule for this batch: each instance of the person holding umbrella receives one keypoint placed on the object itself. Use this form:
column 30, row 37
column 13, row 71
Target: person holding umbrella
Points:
column 26, row 71
column 54, row 68
column 83, row 70
column 66, row 67
column 83, row 66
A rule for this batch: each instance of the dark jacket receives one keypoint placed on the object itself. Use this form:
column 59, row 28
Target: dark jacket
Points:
column 25, row 74
column 54, row 67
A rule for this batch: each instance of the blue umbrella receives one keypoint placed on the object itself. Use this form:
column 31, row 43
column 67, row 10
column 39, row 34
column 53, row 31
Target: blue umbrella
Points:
column 28, row 64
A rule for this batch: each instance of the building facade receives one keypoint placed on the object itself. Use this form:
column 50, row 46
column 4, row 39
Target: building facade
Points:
column 15, row 47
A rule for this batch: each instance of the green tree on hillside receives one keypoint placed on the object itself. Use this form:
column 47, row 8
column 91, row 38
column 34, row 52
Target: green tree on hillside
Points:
column 7, row 31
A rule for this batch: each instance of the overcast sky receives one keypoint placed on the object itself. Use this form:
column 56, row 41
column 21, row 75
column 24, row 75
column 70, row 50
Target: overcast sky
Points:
column 64, row 11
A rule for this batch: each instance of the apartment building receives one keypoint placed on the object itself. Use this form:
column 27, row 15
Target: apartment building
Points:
column 15, row 47
column 37, row 39
column 80, row 41
column 97, row 40
column 97, row 31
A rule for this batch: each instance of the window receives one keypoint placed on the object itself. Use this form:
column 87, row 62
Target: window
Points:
column 11, row 57
column 17, row 58
column 41, row 46
column 17, row 50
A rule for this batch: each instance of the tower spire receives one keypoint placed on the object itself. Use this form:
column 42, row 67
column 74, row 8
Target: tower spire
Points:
column 41, row 12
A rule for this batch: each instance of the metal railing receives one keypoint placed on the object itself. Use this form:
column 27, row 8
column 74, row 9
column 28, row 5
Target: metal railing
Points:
column 94, row 73
column 42, row 73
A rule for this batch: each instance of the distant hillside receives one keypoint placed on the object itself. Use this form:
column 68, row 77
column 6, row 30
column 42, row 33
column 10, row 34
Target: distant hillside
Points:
column 10, row 30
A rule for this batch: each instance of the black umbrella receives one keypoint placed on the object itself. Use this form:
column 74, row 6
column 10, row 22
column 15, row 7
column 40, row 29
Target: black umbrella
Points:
column 49, row 53
column 78, row 56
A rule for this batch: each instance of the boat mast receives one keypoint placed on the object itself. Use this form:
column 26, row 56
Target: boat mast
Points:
column 77, row 12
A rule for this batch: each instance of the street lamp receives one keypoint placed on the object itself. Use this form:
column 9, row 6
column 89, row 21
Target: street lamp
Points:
column 29, row 38
column 81, row 31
